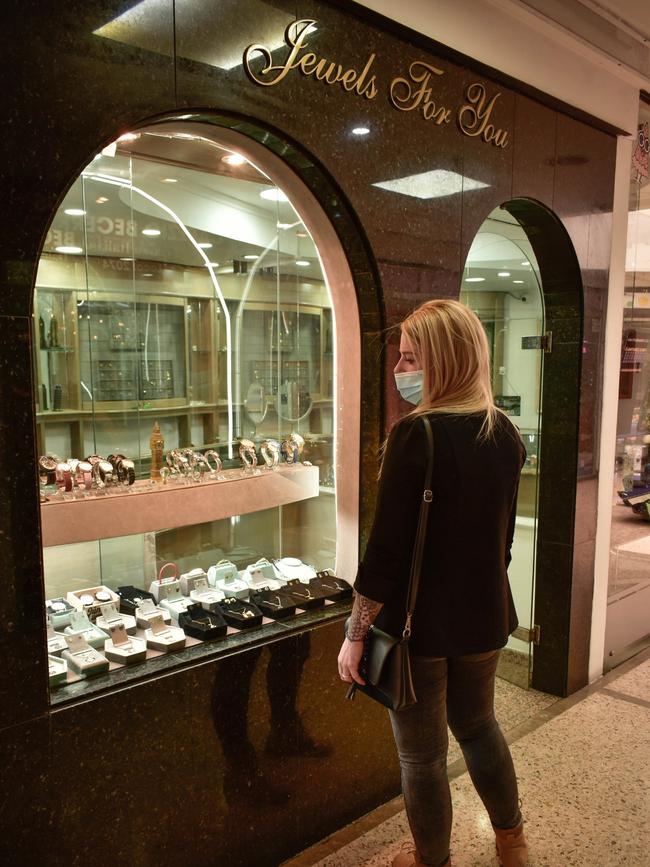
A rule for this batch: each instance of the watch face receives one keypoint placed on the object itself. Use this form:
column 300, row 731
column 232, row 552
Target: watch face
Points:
column 57, row 606
column 47, row 463
column 86, row 599
column 93, row 459
column 105, row 467
column 85, row 466
column 103, row 596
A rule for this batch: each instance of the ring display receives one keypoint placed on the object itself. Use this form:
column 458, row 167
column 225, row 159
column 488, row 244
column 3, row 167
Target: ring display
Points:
column 271, row 453
column 247, row 453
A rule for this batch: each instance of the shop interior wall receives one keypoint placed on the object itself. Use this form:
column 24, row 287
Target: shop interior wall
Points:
column 81, row 90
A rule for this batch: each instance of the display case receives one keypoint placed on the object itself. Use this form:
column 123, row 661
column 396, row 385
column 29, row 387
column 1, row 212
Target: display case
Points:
column 185, row 369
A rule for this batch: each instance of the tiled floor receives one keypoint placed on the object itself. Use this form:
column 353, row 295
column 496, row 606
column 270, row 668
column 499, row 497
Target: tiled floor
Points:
column 583, row 765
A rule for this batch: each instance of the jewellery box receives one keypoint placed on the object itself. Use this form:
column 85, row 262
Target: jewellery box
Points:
column 188, row 580
column 240, row 615
column 331, row 587
column 81, row 625
column 83, row 659
column 303, row 595
column 110, row 616
column 291, row 567
column 58, row 670
column 131, row 597
column 91, row 599
column 202, row 624
column 225, row 577
column 56, row 642
column 274, row 603
column 262, row 574
column 175, row 603
column 206, row 596
column 122, row 647
column 163, row 637
column 165, row 585
column 58, row 610
column 146, row 611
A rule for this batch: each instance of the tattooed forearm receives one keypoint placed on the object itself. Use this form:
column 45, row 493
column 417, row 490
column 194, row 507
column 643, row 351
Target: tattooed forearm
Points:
column 364, row 612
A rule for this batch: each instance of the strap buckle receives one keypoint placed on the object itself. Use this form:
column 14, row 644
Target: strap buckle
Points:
column 407, row 627
column 428, row 496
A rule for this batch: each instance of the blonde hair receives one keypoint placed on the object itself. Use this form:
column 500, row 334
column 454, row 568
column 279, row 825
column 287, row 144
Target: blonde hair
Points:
column 450, row 344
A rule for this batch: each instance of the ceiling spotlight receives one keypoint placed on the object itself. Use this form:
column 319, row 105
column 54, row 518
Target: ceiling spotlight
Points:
column 70, row 250
column 169, row 180
column 234, row 159
column 101, row 200
column 74, row 212
column 204, row 245
column 474, row 279
column 151, row 232
column 360, row 130
column 274, row 194
column 503, row 273
column 251, row 256
column 302, row 262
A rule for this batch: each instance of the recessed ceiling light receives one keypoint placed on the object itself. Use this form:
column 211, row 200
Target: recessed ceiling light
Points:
column 234, row 159
column 252, row 256
column 302, row 262
column 274, row 194
column 74, row 212
column 474, row 279
column 360, row 130
column 503, row 273
column 525, row 262
column 301, row 234
column 169, row 180
column 283, row 225
column 101, row 200
column 70, row 250
column 204, row 245
column 151, row 232
column 517, row 281
column 431, row 185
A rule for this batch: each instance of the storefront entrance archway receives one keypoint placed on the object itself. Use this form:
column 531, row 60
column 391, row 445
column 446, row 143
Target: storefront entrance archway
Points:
column 522, row 277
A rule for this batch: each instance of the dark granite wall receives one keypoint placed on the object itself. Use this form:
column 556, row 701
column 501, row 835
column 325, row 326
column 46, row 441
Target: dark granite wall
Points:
column 140, row 773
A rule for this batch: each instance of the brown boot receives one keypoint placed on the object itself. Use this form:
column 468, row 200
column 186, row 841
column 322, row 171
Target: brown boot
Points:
column 512, row 848
column 408, row 857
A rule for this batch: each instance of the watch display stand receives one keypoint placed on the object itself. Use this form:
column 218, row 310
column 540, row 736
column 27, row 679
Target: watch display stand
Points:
column 58, row 670
column 275, row 604
column 110, row 616
column 58, row 610
column 202, row 624
column 162, row 637
column 303, row 595
column 83, row 659
column 262, row 574
column 56, row 642
column 176, row 604
column 131, row 597
column 122, row 647
column 205, row 595
column 91, row 600
column 146, row 611
column 225, row 577
column 290, row 568
column 80, row 625
column 189, row 579
column 328, row 585
column 239, row 614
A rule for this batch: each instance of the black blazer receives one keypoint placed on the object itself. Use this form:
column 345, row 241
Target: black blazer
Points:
column 464, row 602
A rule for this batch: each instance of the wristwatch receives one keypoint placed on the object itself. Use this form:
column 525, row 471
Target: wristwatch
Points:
column 63, row 475
column 47, row 470
column 84, row 474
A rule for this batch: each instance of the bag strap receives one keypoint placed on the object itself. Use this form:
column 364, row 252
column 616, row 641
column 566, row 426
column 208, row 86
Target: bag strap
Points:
column 420, row 535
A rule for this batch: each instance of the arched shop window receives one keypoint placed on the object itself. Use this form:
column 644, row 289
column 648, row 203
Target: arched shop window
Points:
column 185, row 359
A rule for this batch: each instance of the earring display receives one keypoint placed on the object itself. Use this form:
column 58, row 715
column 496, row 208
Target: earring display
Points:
column 189, row 579
column 206, row 596
column 204, row 625
column 121, row 647
column 165, row 585
column 225, row 577
column 262, row 574
column 147, row 610
column 110, row 616
column 159, row 636
column 82, row 658
column 56, row 642
column 58, row 671
column 81, row 625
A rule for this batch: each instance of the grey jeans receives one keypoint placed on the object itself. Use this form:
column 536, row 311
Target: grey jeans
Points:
column 460, row 692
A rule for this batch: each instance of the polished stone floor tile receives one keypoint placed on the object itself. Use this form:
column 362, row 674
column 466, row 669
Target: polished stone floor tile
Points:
column 584, row 777
column 635, row 683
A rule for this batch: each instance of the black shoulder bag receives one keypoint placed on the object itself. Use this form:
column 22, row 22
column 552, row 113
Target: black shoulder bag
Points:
column 386, row 664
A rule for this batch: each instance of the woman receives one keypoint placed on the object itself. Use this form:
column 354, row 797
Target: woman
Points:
column 464, row 611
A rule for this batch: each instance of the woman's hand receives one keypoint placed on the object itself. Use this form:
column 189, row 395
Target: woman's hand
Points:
column 349, row 660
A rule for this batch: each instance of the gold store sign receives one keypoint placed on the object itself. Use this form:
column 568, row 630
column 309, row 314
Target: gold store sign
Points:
column 414, row 91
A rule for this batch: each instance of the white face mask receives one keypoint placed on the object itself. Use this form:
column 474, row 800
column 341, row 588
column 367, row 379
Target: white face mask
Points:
column 410, row 385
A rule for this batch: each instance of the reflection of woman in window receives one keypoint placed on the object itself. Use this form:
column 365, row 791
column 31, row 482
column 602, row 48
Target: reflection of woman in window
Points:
column 464, row 610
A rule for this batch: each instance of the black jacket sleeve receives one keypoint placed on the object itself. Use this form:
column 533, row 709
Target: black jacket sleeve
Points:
column 386, row 563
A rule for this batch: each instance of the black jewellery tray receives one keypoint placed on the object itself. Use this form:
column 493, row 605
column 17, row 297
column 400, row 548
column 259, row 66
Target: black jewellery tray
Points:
column 202, row 624
column 274, row 603
column 304, row 595
column 131, row 597
column 233, row 613
column 331, row 587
